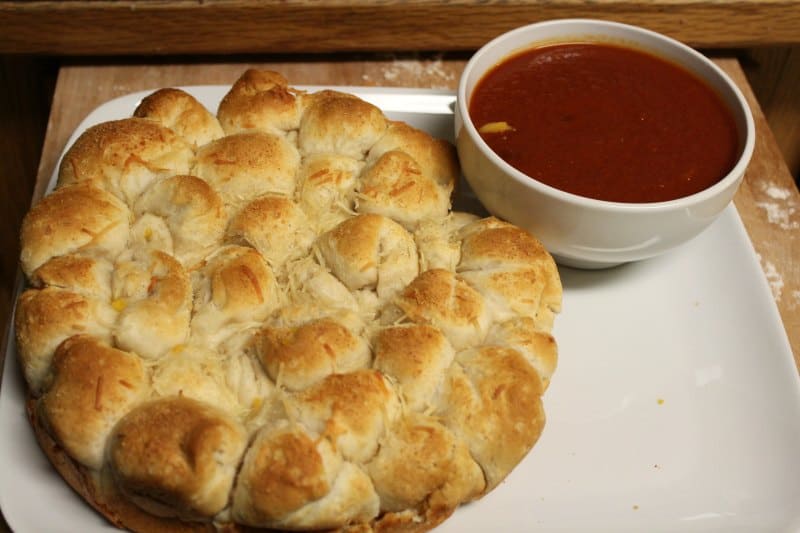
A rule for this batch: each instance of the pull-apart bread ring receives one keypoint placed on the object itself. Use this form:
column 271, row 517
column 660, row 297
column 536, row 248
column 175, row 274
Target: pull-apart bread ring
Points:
column 270, row 318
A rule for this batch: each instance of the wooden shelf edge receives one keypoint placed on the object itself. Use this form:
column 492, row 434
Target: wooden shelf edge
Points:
column 224, row 27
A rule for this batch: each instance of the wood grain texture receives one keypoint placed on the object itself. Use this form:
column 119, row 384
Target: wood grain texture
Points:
column 769, row 205
column 81, row 27
column 774, row 75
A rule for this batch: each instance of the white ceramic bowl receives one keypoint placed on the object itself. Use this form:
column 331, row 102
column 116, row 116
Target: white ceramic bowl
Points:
column 579, row 231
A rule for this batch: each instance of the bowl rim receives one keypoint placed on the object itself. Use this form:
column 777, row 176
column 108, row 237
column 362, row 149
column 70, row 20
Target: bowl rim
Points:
column 734, row 175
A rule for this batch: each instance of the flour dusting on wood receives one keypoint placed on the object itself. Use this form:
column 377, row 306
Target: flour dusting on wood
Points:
column 780, row 206
column 433, row 71
column 774, row 278
column 777, row 193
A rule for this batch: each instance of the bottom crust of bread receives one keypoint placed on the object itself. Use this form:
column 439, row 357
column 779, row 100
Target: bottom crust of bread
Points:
column 107, row 500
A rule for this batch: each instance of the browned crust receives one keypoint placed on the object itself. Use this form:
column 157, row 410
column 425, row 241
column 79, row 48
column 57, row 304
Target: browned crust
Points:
column 103, row 497
column 107, row 501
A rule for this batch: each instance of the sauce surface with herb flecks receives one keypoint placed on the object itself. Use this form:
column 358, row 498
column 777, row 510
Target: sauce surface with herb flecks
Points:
column 605, row 121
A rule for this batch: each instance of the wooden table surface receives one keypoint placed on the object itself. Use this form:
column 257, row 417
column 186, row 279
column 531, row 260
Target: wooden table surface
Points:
column 768, row 201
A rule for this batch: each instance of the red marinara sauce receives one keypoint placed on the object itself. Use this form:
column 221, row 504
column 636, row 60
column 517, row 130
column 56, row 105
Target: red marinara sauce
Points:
column 606, row 122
